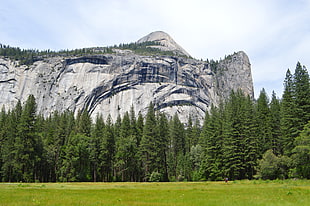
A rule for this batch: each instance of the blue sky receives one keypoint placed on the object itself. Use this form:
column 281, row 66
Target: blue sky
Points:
column 274, row 33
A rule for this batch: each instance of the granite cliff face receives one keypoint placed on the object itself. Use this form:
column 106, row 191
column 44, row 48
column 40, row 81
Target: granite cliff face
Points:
column 112, row 83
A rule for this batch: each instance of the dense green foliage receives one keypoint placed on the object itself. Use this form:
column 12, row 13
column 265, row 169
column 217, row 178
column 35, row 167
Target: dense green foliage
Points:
column 240, row 139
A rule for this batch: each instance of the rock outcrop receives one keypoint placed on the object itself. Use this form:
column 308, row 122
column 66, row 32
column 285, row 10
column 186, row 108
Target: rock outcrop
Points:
column 112, row 83
column 165, row 41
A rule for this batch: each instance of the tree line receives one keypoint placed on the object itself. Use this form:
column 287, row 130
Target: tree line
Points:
column 242, row 138
column 29, row 56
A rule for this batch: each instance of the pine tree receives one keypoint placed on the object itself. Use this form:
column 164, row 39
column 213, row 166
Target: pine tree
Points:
column 189, row 134
column 95, row 150
column 264, row 118
column 301, row 86
column 196, row 156
column 240, row 144
column 80, row 144
column 74, row 140
column 275, row 115
column 126, row 151
column 203, row 141
column 84, row 123
column 9, row 168
column 133, row 121
column 47, row 134
column 121, row 148
column 148, row 150
column 139, row 128
column 251, row 140
column 58, row 129
column 136, row 138
column 192, row 133
column 40, row 161
column 68, row 168
column 26, row 155
column 178, row 147
column 107, row 155
column 288, row 115
column 117, row 126
column 301, row 153
column 3, row 140
column 196, row 132
column 233, row 148
column 162, row 141
column 212, row 135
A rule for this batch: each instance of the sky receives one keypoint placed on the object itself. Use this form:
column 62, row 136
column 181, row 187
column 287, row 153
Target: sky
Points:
column 275, row 34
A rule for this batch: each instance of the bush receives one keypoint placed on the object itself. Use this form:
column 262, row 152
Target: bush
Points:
column 197, row 176
column 155, row 177
column 273, row 167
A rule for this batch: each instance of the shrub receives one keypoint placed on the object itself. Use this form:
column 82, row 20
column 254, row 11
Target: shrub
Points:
column 155, row 177
column 273, row 167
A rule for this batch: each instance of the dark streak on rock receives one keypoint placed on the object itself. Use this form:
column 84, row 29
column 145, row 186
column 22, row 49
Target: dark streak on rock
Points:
column 8, row 81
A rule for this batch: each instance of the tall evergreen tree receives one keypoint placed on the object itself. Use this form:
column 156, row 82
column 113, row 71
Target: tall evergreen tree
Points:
column 133, row 121
column 136, row 136
column 212, row 134
column 139, row 128
column 10, row 167
column 288, row 115
column 107, row 155
column 196, row 132
column 178, row 147
column 275, row 115
column 251, row 140
column 126, row 151
column 75, row 163
column 233, row 150
column 301, row 86
column 162, row 141
column 148, row 148
column 117, row 126
column 2, row 138
column 26, row 154
column 192, row 133
column 40, row 161
column 301, row 153
column 240, row 144
column 263, row 117
column 84, row 123
column 95, row 149
column 189, row 134
column 57, row 131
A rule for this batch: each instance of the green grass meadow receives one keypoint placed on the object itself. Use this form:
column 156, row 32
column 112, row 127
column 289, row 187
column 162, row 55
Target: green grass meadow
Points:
column 289, row 192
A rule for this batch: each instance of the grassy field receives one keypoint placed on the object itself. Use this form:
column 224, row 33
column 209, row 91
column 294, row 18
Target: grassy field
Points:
column 287, row 192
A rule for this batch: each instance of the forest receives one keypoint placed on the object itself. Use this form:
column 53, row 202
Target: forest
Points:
column 242, row 138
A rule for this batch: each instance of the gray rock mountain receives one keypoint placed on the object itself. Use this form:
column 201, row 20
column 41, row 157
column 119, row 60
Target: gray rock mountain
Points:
column 165, row 41
column 112, row 83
